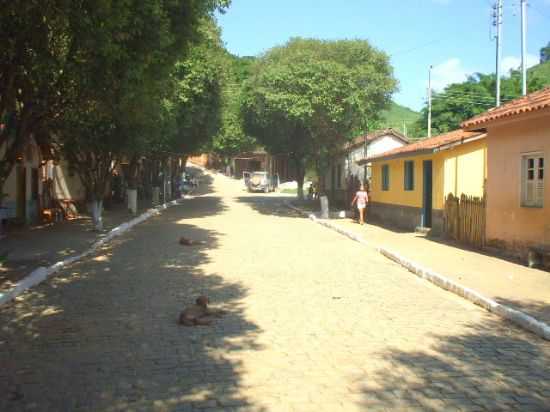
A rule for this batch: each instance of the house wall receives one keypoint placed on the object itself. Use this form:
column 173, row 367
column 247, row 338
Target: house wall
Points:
column 457, row 170
column 375, row 147
column 348, row 161
column 508, row 223
column 66, row 185
column 462, row 167
column 11, row 206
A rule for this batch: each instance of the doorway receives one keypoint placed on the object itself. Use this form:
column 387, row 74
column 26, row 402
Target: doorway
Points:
column 426, row 217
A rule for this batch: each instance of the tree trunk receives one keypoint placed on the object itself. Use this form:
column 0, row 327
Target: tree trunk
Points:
column 132, row 200
column 300, row 174
column 132, row 179
column 96, row 209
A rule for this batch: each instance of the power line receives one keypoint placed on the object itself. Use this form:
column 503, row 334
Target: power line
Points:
column 472, row 97
column 538, row 11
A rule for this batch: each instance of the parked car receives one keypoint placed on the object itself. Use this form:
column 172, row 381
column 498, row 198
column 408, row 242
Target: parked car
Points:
column 261, row 182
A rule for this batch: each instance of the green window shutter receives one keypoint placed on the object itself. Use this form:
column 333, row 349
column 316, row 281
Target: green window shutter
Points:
column 409, row 175
column 385, row 177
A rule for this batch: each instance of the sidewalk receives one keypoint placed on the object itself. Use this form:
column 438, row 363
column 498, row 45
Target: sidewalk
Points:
column 508, row 283
column 28, row 248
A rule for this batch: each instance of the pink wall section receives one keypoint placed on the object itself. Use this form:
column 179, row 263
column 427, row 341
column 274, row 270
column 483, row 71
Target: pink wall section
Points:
column 507, row 221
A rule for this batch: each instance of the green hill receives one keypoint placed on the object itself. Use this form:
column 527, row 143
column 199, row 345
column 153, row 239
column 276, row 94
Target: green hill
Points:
column 541, row 72
column 396, row 115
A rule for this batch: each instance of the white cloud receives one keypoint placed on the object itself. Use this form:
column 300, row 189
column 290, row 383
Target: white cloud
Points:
column 512, row 62
column 450, row 71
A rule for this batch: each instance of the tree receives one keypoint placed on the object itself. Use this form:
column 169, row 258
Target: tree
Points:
column 306, row 98
column 124, row 54
column 231, row 138
column 461, row 101
column 197, row 99
column 545, row 53
column 34, row 54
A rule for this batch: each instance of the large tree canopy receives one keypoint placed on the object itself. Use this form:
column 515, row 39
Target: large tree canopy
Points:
column 94, row 73
column 306, row 98
column 231, row 139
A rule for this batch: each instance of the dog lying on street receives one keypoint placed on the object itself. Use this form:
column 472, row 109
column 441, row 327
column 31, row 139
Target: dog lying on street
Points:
column 199, row 314
column 189, row 242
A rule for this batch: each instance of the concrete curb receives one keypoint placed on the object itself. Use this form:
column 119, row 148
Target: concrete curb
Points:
column 41, row 273
column 518, row 317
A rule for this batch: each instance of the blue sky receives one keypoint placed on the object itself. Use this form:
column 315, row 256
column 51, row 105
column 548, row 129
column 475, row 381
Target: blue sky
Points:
column 452, row 35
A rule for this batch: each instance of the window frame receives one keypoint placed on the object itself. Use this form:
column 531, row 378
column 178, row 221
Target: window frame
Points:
column 385, row 177
column 537, row 203
column 408, row 178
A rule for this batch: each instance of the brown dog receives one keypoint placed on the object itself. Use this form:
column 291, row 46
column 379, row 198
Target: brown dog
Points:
column 188, row 242
column 199, row 314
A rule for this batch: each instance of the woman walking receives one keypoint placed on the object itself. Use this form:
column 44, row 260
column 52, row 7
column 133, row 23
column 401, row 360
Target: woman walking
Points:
column 362, row 198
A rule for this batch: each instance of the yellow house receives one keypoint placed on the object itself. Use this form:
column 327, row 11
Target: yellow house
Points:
column 409, row 184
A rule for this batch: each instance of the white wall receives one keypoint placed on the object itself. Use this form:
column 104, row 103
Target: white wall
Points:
column 349, row 162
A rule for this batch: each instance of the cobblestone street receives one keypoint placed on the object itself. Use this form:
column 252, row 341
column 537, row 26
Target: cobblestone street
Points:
column 316, row 322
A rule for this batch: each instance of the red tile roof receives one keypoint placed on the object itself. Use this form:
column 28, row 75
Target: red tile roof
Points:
column 425, row 145
column 530, row 103
column 360, row 140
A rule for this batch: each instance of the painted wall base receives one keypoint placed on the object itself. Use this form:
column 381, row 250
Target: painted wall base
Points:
column 403, row 217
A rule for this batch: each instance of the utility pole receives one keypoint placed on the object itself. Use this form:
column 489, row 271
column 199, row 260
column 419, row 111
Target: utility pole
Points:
column 430, row 102
column 523, row 47
column 366, row 143
column 497, row 15
column 404, row 128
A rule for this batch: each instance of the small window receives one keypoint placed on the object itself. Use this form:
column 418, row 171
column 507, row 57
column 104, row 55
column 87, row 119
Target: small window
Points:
column 409, row 175
column 385, row 177
column 532, row 182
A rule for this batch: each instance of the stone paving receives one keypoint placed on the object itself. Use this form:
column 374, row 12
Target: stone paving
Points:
column 316, row 322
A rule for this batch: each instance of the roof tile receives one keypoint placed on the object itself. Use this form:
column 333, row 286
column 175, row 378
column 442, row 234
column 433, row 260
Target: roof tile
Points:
column 427, row 144
column 529, row 103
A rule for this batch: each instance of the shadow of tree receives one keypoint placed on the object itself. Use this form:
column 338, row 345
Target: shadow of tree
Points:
column 273, row 205
column 493, row 367
column 27, row 250
column 103, row 335
column 537, row 309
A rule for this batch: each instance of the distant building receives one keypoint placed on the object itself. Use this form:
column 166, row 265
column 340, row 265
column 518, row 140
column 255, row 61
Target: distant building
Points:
column 344, row 164
column 260, row 160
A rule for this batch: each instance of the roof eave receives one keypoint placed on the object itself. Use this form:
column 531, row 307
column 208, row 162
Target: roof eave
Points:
column 395, row 156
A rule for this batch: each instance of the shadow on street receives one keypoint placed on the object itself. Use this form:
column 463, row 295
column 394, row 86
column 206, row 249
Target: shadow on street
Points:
column 103, row 335
column 470, row 371
column 271, row 204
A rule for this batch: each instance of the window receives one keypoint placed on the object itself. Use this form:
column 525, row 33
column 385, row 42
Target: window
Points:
column 409, row 175
column 532, row 182
column 385, row 177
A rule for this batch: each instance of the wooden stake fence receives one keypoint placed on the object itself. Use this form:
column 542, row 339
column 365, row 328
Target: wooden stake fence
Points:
column 465, row 219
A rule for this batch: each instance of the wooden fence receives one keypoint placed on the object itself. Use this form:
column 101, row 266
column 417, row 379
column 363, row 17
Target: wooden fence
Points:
column 465, row 219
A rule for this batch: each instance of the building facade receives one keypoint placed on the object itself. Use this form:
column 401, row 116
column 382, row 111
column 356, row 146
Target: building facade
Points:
column 518, row 189
column 409, row 184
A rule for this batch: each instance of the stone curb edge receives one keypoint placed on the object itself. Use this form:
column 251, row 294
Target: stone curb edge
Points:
column 41, row 273
column 518, row 317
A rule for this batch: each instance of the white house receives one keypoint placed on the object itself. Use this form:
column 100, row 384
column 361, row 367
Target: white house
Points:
column 344, row 164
